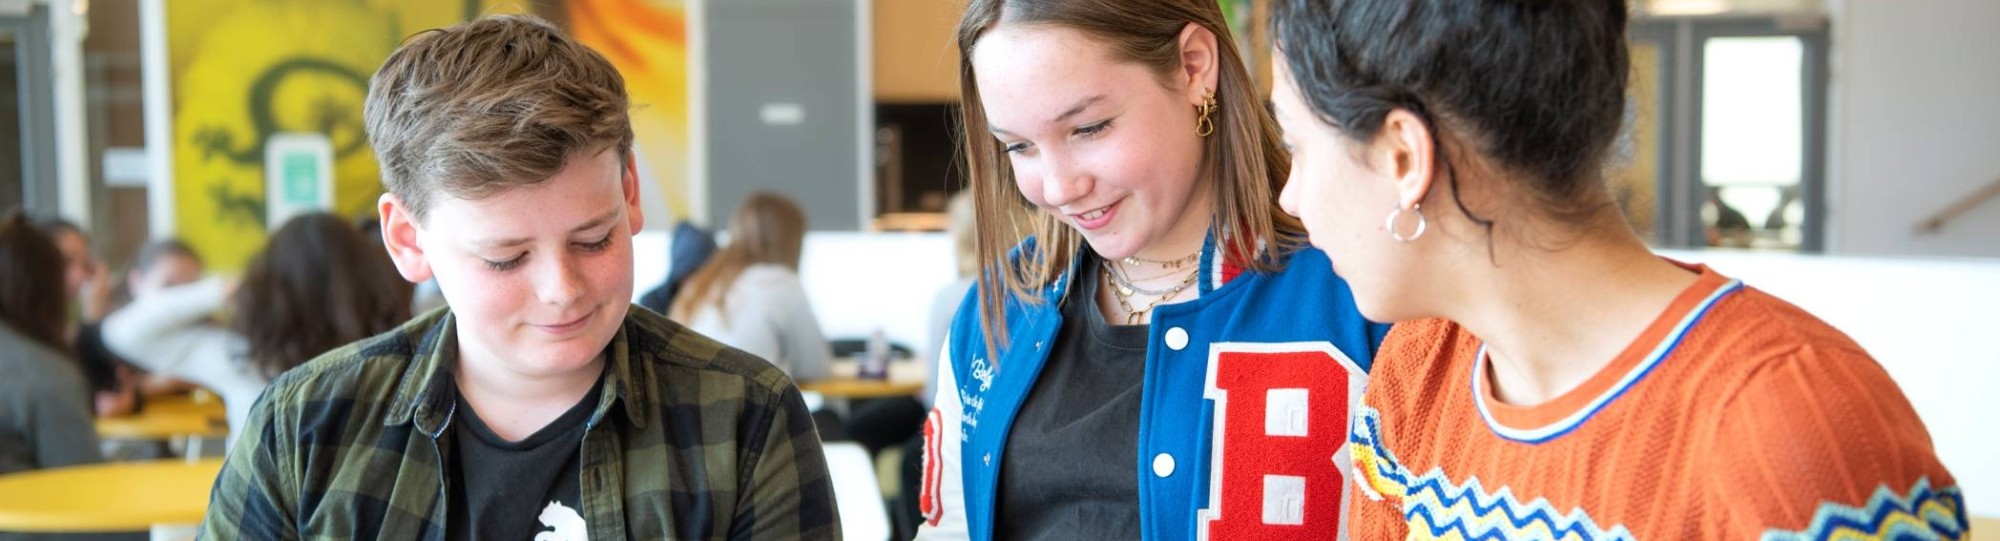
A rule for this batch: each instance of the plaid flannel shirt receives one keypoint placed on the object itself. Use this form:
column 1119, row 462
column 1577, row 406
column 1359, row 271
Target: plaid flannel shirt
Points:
column 690, row 440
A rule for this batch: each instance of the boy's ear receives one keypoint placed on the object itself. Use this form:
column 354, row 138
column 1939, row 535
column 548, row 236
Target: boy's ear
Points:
column 399, row 236
column 630, row 183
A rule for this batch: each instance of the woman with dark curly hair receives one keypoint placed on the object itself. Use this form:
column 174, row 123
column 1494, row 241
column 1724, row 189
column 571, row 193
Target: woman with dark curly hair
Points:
column 1549, row 376
column 317, row 285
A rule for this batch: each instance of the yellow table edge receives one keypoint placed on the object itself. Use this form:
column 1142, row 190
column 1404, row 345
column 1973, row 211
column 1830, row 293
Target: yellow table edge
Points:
column 860, row 388
column 13, row 519
column 160, row 427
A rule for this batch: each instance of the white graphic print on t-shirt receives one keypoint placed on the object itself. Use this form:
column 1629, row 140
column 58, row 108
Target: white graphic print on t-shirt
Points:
column 567, row 523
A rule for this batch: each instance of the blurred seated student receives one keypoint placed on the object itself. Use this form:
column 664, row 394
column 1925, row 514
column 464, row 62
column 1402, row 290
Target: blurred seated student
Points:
column 316, row 286
column 691, row 246
column 44, row 414
column 749, row 295
column 89, row 293
column 160, row 264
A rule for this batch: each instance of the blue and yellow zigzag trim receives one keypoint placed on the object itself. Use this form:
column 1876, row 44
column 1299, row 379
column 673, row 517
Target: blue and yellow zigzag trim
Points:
column 1921, row 514
column 1378, row 471
column 1442, row 511
column 1436, row 508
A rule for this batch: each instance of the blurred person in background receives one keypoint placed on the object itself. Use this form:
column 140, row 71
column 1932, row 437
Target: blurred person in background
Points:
column 691, row 247
column 317, row 285
column 45, row 418
column 163, row 264
column 86, row 283
column 749, row 295
column 159, row 265
column 83, row 274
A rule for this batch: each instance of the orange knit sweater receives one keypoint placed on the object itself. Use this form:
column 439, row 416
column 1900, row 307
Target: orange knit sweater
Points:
column 1735, row 415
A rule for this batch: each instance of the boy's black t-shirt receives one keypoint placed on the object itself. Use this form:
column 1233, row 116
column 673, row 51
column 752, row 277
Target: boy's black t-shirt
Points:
column 517, row 490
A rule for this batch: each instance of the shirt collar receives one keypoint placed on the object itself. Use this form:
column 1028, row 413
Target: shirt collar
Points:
column 428, row 390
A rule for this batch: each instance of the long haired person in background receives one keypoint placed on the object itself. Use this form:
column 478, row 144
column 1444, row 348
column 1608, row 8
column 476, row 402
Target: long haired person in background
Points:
column 44, row 406
column 748, row 295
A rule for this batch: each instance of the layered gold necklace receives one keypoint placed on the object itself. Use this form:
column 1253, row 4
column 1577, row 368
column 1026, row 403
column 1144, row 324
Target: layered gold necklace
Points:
column 1123, row 286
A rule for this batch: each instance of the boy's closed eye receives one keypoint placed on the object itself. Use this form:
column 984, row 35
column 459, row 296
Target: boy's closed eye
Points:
column 512, row 263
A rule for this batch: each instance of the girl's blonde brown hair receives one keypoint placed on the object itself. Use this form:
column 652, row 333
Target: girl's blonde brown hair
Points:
column 1244, row 156
column 767, row 228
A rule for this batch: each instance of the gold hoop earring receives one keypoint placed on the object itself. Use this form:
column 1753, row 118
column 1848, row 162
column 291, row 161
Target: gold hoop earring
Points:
column 1397, row 212
column 1204, row 126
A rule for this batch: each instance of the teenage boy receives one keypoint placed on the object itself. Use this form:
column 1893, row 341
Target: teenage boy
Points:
column 539, row 404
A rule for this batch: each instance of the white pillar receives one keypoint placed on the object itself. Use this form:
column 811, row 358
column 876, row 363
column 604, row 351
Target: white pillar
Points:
column 66, row 30
column 159, row 105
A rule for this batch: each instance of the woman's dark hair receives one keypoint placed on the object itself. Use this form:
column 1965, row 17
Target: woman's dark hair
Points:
column 32, row 301
column 1535, row 86
column 316, row 286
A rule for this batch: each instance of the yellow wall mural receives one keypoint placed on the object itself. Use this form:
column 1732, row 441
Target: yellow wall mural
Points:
column 244, row 70
column 648, row 43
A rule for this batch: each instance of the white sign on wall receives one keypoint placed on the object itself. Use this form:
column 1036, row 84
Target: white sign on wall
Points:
column 298, row 176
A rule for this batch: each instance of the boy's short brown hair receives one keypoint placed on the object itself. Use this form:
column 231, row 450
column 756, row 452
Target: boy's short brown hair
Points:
column 489, row 105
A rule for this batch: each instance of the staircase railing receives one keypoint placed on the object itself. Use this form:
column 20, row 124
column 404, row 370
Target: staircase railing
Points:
column 1965, row 204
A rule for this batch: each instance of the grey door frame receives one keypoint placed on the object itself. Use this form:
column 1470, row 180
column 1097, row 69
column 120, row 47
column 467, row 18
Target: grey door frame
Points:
column 1670, row 225
column 32, row 46
column 1683, row 191
column 836, row 126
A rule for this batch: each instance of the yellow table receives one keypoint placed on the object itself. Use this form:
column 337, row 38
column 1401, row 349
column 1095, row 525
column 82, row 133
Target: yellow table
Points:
column 1985, row 528
column 863, row 388
column 161, row 424
column 169, row 417
column 906, row 378
column 111, row 497
column 208, row 405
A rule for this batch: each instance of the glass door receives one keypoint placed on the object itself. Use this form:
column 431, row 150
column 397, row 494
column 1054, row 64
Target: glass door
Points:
column 1724, row 143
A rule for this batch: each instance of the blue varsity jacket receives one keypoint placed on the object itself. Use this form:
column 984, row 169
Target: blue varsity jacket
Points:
column 1248, row 391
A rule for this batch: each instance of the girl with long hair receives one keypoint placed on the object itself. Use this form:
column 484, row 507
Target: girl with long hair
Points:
column 1162, row 356
column 748, row 295
column 45, row 416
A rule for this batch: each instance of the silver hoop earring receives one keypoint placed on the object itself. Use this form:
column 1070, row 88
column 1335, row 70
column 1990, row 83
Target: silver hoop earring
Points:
column 1397, row 212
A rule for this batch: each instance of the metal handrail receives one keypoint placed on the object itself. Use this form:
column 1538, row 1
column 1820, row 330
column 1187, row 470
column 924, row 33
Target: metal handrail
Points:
column 1936, row 222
